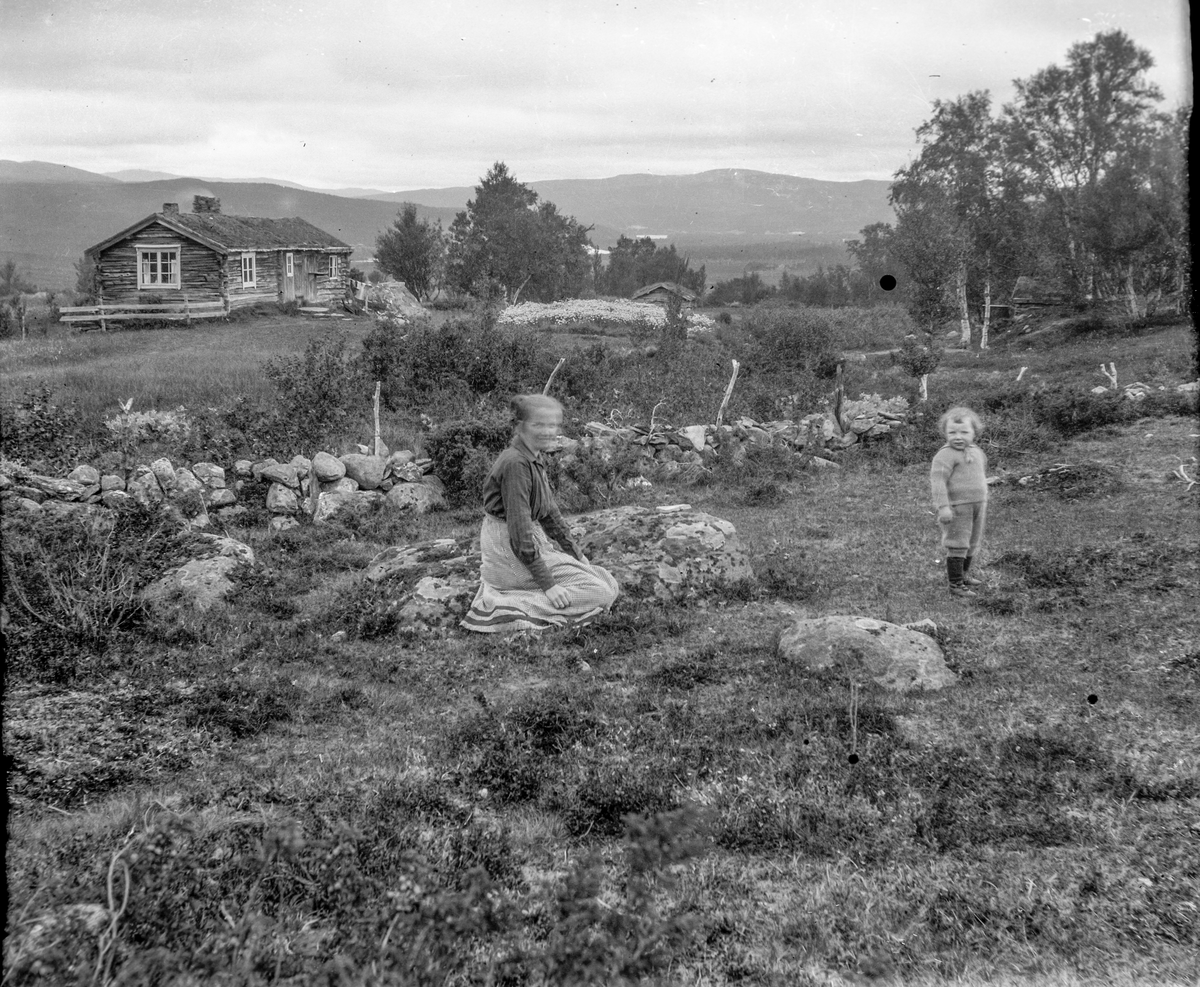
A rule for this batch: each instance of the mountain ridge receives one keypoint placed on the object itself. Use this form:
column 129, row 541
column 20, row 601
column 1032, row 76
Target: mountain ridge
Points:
column 46, row 223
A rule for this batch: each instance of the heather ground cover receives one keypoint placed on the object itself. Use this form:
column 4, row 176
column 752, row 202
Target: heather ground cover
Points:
column 658, row 798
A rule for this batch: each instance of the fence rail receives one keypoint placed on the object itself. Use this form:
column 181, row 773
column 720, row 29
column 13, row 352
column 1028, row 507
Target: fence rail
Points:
column 104, row 312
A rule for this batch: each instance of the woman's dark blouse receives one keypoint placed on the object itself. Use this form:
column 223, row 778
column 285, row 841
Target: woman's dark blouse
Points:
column 517, row 492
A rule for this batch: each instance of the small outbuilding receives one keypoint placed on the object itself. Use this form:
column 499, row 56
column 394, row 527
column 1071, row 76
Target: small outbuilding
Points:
column 1038, row 291
column 660, row 291
column 206, row 256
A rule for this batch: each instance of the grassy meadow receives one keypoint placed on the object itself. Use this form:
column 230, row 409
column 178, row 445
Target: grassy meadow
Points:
column 297, row 791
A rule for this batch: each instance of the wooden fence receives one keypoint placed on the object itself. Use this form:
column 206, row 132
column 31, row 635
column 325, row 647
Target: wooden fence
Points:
column 174, row 311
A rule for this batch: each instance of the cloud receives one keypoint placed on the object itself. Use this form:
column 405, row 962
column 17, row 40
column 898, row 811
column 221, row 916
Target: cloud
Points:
column 432, row 93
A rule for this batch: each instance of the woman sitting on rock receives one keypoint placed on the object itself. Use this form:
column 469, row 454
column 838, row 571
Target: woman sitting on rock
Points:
column 533, row 574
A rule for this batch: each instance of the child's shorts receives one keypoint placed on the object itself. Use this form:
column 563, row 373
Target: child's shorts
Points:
column 962, row 534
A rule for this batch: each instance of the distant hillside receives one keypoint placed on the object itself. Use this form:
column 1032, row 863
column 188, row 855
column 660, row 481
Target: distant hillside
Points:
column 44, row 171
column 46, row 226
column 727, row 203
column 730, row 220
column 140, row 175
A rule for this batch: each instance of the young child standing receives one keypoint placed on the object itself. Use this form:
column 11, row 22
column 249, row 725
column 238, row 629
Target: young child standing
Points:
column 958, row 478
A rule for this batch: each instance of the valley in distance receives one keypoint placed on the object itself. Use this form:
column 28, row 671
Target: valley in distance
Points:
column 732, row 221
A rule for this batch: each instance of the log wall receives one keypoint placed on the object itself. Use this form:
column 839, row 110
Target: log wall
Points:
column 267, row 286
column 205, row 277
column 201, row 275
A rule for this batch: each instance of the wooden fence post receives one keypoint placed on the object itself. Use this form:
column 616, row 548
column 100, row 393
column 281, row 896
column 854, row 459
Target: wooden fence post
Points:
column 728, row 392
column 378, row 441
column 550, row 379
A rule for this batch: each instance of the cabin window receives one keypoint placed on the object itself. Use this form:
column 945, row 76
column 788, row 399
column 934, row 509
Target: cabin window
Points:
column 158, row 267
column 333, row 265
column 248, row 272
column 290, row 269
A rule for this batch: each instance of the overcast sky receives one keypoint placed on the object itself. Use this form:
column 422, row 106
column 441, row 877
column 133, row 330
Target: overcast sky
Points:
column 409, row 94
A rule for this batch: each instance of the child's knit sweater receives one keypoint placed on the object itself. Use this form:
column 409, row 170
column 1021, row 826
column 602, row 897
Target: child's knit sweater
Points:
column 958, row 477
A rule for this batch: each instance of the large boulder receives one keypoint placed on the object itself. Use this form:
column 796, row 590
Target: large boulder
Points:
column 670, row 555
column 418, row 497
column 204, row 581
column 897, row 658
column 339, row 503
column 366, row 471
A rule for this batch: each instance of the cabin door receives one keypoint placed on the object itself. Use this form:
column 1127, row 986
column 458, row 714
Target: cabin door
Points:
column 309, row 290
column 287, row 275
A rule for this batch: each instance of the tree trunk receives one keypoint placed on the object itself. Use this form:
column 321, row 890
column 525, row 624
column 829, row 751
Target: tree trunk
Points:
column 924, row 387
column 987, row 311
column 960, row 279
column 1130, row 293
column 519, row 289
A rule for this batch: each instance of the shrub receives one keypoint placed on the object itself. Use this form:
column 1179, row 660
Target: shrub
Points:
column 72, row 584
column 588, row 478
column 795, row 339
column 315, row 393
column 463, row 452
column 469, row 356
column 39, row 433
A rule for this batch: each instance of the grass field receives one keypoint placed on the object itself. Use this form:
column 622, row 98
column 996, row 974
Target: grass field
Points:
column 296, row 805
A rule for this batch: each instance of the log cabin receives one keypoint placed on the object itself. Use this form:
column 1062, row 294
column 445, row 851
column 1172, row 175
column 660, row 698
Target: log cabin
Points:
column 208, row 256
column 660, row 291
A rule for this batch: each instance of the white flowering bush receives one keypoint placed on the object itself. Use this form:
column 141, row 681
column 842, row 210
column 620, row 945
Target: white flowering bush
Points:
column 131, row 427
column 617, row 313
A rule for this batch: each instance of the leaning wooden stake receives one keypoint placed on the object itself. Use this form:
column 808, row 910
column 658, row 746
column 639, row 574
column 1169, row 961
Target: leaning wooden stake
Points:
column 378, row 440
column 550, row 379
column 728, row 392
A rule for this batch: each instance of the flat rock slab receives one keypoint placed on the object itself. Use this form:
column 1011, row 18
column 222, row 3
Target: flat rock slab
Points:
column 669, row 556
column 895, row 657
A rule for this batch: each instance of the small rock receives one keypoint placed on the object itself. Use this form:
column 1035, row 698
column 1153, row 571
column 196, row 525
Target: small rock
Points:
column 164, row 473
column 243, row 468
column 327, row 468
column 282, row 473
column 694, row 434
column 281, row 499
column 282, row 522
column 301, row 464
column 210, row 474
column 88, row 476
column 257, row 468
column 344, row 485
column 110, row 481
column 114, row 498
column 222, row 497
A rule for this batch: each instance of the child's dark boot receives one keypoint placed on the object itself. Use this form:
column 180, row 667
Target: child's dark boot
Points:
column 969, row 580
column 954, row 572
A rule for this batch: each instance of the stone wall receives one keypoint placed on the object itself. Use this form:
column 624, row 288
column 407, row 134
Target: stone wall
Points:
column 358, row 480
column 203, row 491
column 819, row 434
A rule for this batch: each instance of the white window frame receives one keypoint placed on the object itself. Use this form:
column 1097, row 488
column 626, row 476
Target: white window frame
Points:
column 249, row 266
column 333, row 265
column 290, row 269
column 158, row 249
